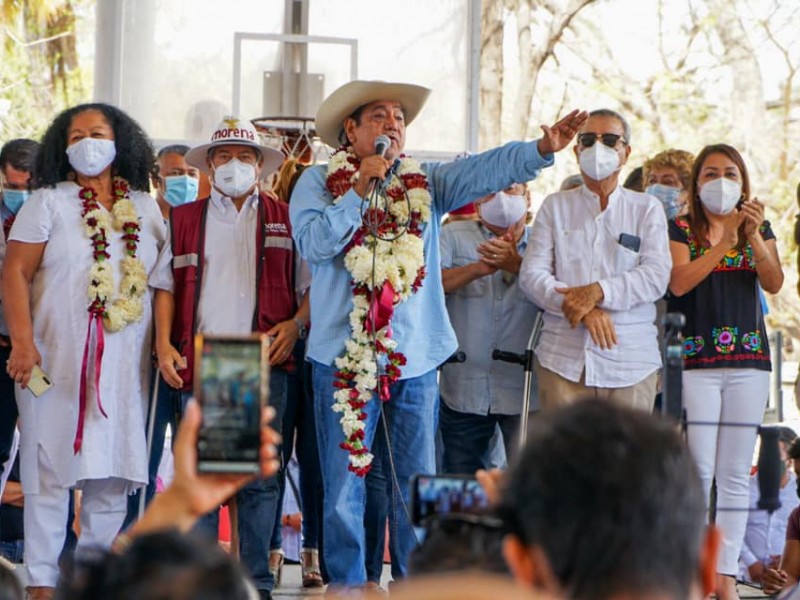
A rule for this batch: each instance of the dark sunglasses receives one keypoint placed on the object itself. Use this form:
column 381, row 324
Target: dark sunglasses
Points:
column 587, row 140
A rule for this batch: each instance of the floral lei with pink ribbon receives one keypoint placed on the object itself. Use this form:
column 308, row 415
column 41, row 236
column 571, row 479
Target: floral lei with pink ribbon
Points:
column 385, row 271
column 104, row 313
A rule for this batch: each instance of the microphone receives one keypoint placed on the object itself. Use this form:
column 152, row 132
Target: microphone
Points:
column 769, row 470
column 382, row 143
column 459, row 356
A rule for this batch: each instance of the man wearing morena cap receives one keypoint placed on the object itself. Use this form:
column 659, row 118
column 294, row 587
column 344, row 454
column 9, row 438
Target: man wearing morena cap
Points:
column 229, row 269
column 380, row 324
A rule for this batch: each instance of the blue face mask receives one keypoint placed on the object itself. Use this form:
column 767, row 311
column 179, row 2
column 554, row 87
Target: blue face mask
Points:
column 180, row 189
column 14, row 199
column 668, row 196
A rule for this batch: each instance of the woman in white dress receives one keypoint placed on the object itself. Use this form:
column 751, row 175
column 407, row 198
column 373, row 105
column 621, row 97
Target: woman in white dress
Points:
column 78, row 305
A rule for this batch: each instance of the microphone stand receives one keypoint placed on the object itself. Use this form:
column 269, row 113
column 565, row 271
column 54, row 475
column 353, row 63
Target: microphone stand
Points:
column 526, row 360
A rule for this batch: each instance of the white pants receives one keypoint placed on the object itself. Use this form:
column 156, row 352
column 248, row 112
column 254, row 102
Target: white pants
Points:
column 726, row 396
column 103, row 510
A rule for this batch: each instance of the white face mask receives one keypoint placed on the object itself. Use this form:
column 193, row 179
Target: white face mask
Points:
column 90, row 156
column 720, row 196
column 504, row 210
column 235, row 178
column 598, row 161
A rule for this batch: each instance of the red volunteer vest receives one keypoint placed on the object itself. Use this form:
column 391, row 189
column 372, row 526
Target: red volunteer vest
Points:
column 275, row 297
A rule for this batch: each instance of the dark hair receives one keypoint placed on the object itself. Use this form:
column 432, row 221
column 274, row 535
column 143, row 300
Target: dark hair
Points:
column 458, row 543
column 19, row 153
column 612, row 497
column 635, row 180
column 134, row 159
column 698, row 221
column 181, row 149
column 794, row 449
column 356, row 116
column 159, row 566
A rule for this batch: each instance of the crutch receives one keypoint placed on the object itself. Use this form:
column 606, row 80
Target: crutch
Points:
column 526, row 360
column 151, row 425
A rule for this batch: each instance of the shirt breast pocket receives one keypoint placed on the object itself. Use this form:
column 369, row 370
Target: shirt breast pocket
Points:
column 625, row 259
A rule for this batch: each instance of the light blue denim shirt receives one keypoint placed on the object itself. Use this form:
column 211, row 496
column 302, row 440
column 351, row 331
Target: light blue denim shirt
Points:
column 321, row 231
column 489, row 312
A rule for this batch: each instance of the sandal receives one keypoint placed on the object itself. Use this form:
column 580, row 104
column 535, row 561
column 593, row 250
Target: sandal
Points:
column 276, row 565
column 309, row 565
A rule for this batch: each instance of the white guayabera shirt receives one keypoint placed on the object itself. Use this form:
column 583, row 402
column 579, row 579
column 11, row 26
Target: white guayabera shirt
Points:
column 574, row 243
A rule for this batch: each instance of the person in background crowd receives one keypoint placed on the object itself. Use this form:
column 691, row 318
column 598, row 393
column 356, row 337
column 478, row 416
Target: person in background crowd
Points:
column 488, row 311
column 667, row 176
column 17, row 158
column 787, row 573
column 198, row 291
column 721, row 251
column 766, row 533
column 627, row 477
column 75, row 284
column 176, row 182
column 571, row 182
column 155, row 559
column 635, row 180
column 407, row 297
column 597, row 260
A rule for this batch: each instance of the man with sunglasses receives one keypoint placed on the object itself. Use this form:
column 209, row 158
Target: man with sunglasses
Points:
column 597, row 260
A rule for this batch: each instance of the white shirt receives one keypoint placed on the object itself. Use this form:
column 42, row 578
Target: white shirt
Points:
column 113, row 446
column 574, row 243
column 228, row 291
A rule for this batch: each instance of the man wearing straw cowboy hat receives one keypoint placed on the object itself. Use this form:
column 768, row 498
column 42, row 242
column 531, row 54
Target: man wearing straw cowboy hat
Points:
column 379, row 324
column 229, row 269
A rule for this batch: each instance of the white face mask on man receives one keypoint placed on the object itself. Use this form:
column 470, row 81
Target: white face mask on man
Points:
column 235, row 178
column 720, row 196
column 504, row 210
column 598, row 161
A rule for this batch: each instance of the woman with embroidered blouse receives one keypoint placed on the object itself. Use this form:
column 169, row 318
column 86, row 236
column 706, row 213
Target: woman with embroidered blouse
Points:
column 722, row 250
column 78, row 305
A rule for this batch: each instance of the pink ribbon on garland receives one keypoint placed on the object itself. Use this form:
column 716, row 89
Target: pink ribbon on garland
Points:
column 97, row 320
column 381, row 308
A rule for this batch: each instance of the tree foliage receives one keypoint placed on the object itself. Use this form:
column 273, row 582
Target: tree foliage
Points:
column 41, row 72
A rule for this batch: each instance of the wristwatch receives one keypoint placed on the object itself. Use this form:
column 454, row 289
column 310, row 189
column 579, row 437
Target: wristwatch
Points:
column 302, row 329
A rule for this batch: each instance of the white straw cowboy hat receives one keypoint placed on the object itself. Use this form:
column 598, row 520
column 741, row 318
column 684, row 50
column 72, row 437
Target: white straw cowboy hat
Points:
column 232, row 130
column 344, row 101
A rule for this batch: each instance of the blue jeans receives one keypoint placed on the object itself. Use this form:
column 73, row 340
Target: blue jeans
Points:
column 168, row 411
column 300, row 435
column 466, row 439
column 13, row 550
column 411, row 415
column 378, row 482
column 257, row 503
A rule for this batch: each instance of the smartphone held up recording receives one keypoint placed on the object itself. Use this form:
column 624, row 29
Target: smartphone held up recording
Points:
column 231, row 383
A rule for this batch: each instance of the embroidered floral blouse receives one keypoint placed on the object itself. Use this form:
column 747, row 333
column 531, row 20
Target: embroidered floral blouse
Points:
column 724, row 319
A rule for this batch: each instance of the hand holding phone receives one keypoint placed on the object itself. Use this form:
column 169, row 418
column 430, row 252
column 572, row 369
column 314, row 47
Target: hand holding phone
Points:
column 231, row 384
column 39, row 382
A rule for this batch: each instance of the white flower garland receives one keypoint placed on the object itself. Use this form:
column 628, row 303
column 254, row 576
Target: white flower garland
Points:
column 373, row 263
column 128, row 307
